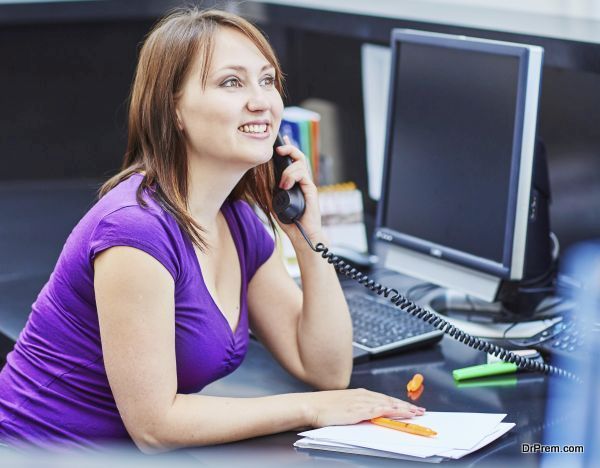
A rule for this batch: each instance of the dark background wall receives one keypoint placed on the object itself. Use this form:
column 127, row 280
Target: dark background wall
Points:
column 64, row 87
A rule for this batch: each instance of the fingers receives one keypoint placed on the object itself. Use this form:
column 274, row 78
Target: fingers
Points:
column 297, row 172
column 290, row 150
column 404, row 410
column 392, row 411
column 378, row 404
column 396, row 408
column 406, row 406
column 351, row 406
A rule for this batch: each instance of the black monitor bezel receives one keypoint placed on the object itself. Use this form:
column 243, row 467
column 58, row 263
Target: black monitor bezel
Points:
column 501, row 270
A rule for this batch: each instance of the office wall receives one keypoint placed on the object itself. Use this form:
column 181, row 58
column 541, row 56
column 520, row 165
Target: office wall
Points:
column 570, row 126
column 64, row 87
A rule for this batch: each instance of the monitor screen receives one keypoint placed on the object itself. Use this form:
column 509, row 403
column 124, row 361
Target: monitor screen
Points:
column 460, row 119
column 452, row 147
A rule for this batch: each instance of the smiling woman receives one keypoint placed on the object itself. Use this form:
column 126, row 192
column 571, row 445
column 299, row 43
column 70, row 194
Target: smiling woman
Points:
column 157, row 286
column 181, row 52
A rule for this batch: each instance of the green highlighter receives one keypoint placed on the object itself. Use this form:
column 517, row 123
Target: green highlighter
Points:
column 484, row 370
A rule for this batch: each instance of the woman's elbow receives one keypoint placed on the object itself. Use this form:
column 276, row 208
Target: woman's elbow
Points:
column 335, row 379
column 149, row 443
column 339, row 385
column 149, row 436
column 338, row 381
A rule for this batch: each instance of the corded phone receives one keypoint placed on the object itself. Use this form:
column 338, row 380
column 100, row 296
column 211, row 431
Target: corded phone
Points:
column 289, row 207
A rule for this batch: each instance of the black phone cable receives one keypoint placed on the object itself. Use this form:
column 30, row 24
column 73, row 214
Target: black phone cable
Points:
column 430, row 317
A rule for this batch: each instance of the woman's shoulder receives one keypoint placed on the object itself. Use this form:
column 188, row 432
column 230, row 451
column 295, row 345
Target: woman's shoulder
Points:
column 122, row 211
column 241, row 208
column 118, row 219
column 248, row 219
column 124, row 194
column 122, row 203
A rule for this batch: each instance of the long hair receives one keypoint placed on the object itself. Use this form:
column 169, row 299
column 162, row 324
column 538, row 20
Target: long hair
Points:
column 156, row 146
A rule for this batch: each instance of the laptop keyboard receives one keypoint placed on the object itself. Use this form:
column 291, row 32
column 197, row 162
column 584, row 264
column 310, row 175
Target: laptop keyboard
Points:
column 380, row 327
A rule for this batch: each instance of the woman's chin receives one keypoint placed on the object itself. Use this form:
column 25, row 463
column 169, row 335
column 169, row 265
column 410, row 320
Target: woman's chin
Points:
column 259, row 159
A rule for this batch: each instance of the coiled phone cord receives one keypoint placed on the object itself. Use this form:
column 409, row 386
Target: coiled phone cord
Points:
column 430, row 317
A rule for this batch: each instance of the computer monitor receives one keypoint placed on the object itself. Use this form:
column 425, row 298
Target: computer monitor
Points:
column 459, row 157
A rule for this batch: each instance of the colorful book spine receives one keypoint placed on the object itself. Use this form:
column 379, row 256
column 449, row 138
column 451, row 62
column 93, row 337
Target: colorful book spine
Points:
column 302, row 127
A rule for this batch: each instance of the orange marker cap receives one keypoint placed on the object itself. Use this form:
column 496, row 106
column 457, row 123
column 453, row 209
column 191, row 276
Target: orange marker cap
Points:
column 414, row 396
column 415, row 383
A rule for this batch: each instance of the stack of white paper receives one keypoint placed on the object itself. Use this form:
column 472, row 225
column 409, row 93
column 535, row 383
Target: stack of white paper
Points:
column 458, row 434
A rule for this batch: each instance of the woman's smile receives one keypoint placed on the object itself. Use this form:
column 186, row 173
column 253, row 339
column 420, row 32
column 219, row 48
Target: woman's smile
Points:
column 256, row 130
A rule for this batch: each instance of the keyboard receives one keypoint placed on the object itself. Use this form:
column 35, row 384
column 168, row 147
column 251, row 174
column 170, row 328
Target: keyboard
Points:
column 381, row 328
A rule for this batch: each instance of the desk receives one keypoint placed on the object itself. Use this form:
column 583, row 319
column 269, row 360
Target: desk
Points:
column 260, row 375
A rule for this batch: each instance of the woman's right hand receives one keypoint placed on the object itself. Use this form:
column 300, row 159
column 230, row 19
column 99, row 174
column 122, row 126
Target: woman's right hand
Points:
column 339, row 407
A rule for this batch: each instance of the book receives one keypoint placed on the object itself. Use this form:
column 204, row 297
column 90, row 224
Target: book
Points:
column 302, row 128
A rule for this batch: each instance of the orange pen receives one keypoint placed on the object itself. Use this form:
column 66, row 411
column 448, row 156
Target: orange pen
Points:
column 404, row 427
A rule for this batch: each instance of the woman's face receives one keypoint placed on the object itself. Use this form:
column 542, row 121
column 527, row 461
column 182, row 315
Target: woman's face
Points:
column 236, row 116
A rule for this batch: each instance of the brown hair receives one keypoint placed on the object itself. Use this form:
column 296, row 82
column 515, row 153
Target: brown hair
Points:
column 156, row 145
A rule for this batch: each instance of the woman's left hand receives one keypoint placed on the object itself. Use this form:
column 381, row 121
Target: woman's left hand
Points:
column 298, row 173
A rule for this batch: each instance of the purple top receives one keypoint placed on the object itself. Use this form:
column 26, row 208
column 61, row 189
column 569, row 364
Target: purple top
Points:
column 54, row 389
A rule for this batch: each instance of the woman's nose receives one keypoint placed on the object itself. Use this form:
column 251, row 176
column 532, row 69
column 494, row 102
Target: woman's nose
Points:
column 257, row 101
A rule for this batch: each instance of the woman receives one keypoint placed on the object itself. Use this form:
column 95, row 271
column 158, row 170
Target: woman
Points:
column 156, row 287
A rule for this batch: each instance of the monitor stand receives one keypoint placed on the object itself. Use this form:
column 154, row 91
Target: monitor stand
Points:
column 489, row 320
column 464, row 307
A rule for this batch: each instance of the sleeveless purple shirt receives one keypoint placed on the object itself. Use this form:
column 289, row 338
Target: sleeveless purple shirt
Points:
column 53, row 388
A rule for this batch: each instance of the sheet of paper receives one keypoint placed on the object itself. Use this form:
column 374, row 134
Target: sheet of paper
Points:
column 309, row 443
column 380, row 446
column 473, row 428
column 502, row 429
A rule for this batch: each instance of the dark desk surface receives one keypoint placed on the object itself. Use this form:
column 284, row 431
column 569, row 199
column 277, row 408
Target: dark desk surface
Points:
column 37, row 217
column 523, row 402
column 259, row 375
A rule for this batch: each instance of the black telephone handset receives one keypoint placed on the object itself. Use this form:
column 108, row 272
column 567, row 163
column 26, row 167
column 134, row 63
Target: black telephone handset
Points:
column 287, row 204
column 289, row 208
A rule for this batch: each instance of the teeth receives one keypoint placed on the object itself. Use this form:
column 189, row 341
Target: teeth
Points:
column 261, row 128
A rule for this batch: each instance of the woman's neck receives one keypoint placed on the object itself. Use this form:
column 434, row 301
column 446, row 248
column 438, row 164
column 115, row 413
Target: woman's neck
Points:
column 210, row 183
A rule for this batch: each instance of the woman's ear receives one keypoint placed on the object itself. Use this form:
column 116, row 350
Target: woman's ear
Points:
column 179, row 120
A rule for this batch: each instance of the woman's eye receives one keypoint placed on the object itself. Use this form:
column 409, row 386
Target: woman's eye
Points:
column 268, row 81
column 231, row 83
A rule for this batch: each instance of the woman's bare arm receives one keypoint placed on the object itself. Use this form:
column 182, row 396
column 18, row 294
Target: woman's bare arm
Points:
column 308, row 331
column 135, row 300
